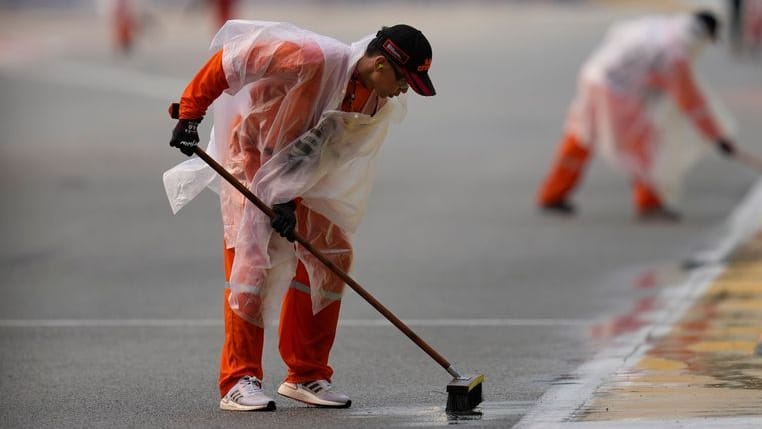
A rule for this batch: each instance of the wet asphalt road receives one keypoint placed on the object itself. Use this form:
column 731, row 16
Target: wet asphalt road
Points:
column 451, row 233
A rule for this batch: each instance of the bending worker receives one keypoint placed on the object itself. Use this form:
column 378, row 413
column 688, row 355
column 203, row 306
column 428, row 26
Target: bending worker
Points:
column 627, row 93
column 299, row 119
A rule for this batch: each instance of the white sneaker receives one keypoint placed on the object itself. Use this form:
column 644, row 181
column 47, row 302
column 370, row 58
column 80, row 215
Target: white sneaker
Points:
column 247, row 395
column 318, row 392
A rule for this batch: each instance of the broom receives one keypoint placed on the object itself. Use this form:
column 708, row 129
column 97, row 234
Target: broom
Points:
column 464, row 392
column 748, row 160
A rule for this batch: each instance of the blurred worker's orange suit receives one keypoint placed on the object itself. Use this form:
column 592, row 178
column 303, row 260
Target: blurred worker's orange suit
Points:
column 223, row 10
column 124, row 25
column 639, row 64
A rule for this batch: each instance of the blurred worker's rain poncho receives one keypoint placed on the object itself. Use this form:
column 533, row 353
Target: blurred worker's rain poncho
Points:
column 639, row 101
column 282, row 135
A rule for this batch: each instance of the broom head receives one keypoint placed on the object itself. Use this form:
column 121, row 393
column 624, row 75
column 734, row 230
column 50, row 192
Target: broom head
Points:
column 464, row 393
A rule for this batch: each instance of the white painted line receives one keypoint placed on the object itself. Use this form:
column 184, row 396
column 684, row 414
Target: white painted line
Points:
column 107, row 78
column 691, row 423
column 745, row 220
column 435, row 415
column 107, row 323
column 470, row 323
column 559, row 404
column 349, row 323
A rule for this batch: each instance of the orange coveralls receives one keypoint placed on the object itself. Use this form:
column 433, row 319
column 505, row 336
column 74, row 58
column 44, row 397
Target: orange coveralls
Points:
column 305, row 340
column 572, row 154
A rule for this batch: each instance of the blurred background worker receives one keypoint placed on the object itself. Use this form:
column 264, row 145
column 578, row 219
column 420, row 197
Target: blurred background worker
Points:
column 124, row 17
column 300, row 124
column 752, row 26
column 628, row 97
column 129, row 21
column 223, row 10
column 745, row 25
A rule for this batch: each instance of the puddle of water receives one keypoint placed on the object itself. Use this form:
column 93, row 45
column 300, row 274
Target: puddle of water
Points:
column 433, row 415
column 701, row 366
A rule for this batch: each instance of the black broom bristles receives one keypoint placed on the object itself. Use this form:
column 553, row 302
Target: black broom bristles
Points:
column 464, row 394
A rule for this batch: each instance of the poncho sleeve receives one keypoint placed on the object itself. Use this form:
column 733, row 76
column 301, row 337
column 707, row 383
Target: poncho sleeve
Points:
column 688, row 96
column 238, row 64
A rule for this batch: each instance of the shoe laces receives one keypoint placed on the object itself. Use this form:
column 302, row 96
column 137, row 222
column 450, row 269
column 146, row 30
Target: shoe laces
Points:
column 251, row 385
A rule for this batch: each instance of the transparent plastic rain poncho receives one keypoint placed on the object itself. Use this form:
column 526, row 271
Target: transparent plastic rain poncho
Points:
column 277, row 129
column 623, row 105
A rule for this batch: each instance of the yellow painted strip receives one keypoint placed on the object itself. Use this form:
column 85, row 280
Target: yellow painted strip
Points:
column 705, row 366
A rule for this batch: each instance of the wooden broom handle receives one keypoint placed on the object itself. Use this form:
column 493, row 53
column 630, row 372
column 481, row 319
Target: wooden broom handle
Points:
column 749, row 160
column 331, row 266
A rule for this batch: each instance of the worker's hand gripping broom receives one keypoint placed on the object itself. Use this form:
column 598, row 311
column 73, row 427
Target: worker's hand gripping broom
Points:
column 463, row 393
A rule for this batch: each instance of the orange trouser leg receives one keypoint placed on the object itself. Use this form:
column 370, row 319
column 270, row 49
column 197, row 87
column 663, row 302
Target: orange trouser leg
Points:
column 645, row 197
column 306, row 339
column 571, row 160
column 242, row 349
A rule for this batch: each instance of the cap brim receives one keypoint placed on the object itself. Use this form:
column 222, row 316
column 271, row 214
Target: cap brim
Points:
column 421, row 83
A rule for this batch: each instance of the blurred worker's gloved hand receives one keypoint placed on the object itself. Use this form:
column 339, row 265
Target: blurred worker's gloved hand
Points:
column 185, row 135
column 284, row 221
column 726, row 147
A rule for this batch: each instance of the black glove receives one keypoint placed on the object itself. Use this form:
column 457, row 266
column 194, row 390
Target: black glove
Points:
column 284, row 221
column 726, row 147
column 185, row 135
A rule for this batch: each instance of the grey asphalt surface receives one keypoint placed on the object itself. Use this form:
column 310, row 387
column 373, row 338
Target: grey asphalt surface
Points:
column 451, row 230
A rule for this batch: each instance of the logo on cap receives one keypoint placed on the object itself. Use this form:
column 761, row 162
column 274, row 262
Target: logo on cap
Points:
column 425, row 66
column 399, row 55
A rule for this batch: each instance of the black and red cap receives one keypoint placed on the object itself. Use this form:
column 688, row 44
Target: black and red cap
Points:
column 408, row 48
